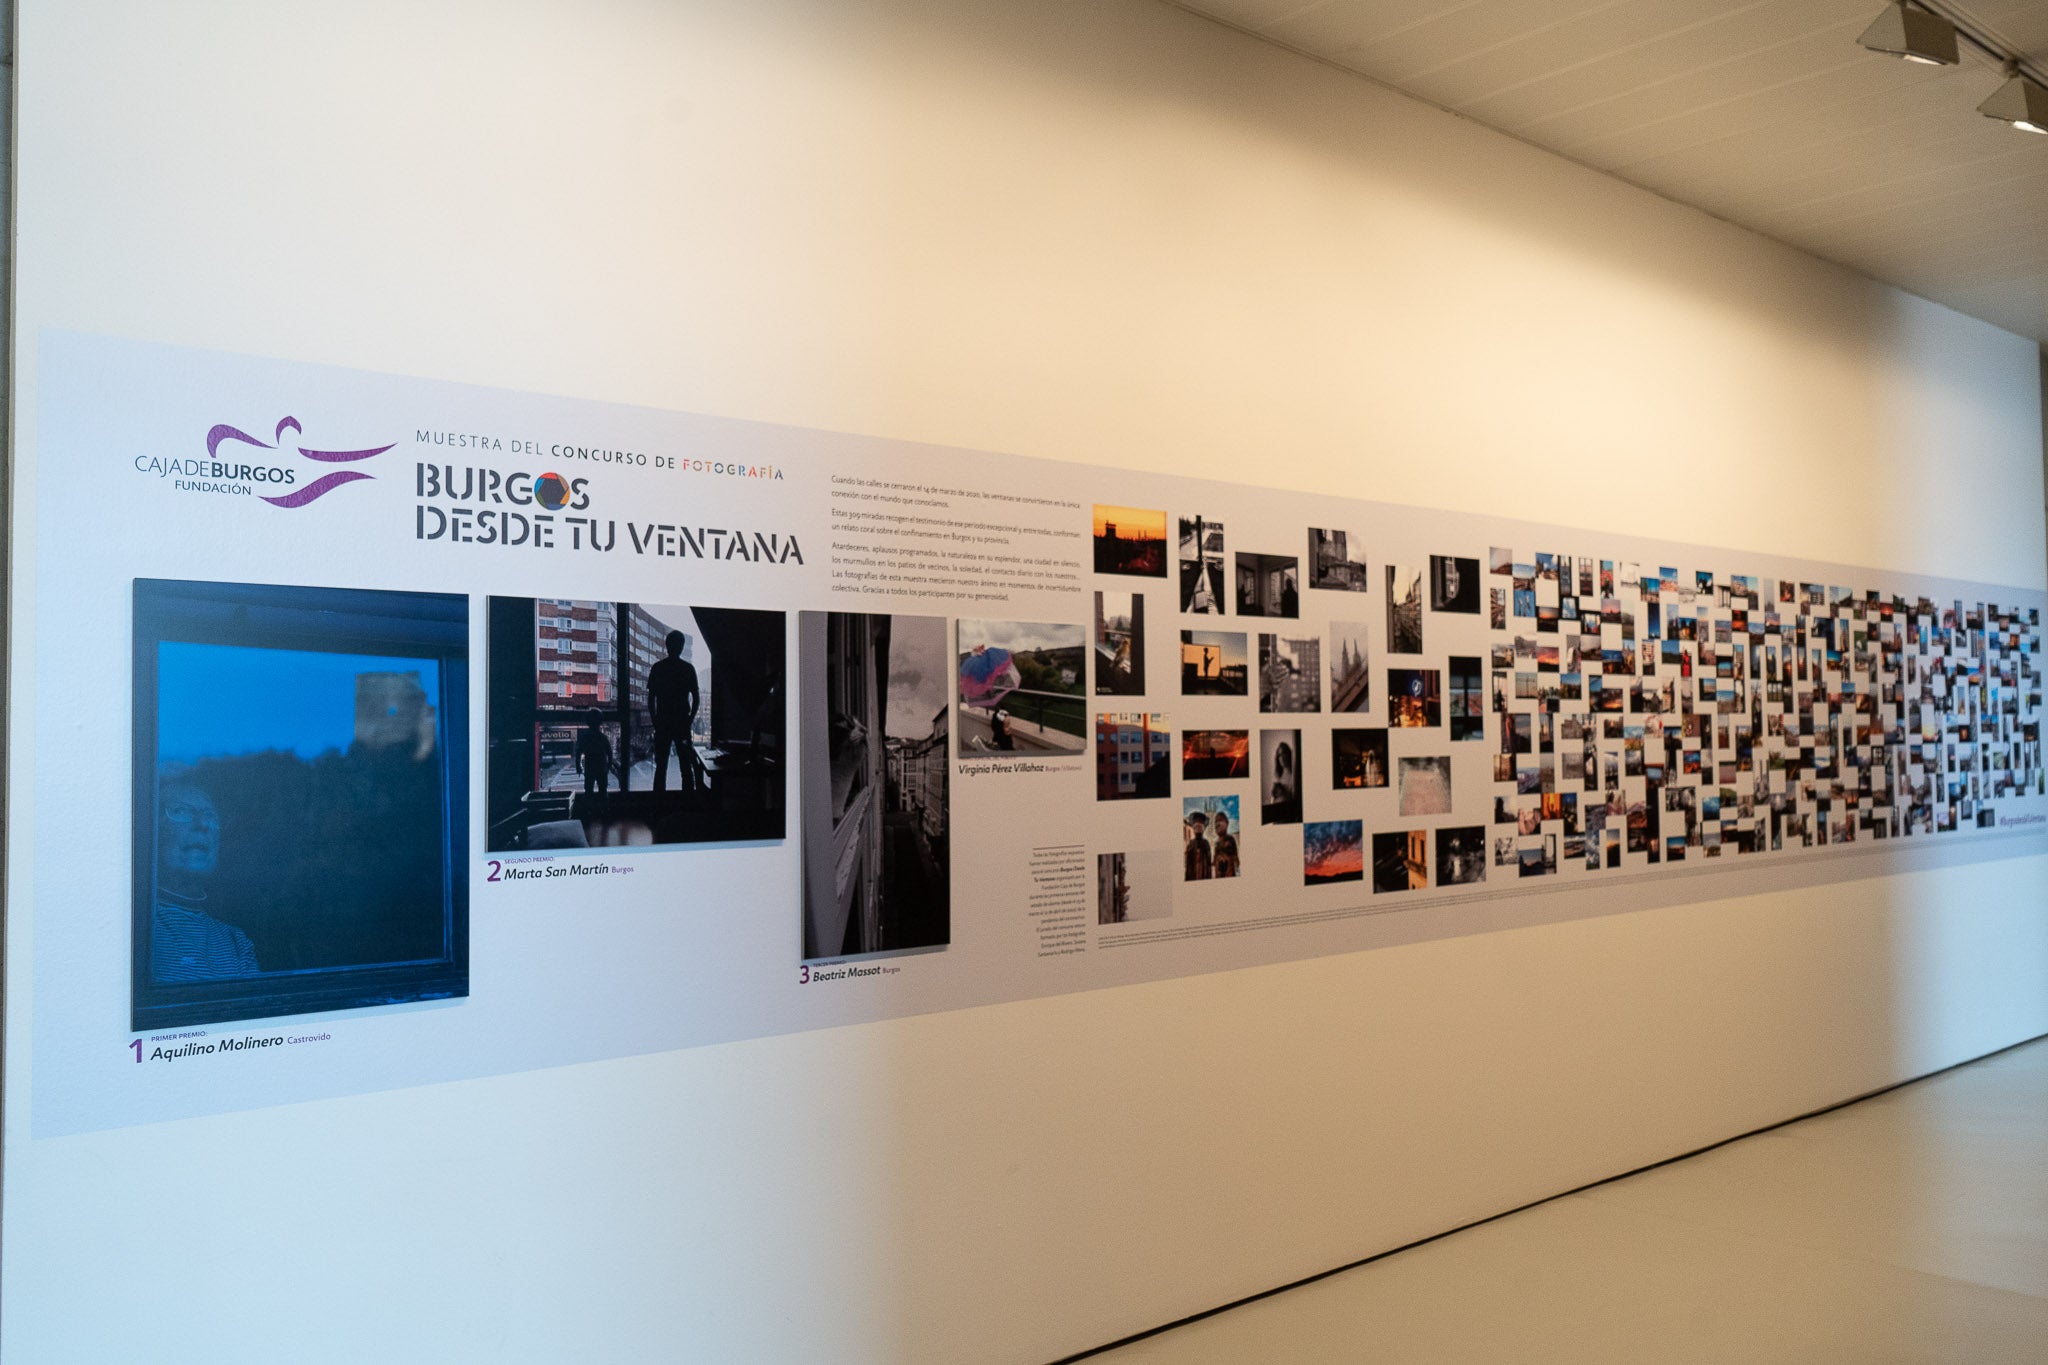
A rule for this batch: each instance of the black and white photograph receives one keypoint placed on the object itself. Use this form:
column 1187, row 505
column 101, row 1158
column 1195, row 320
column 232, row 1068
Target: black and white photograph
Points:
column 1268, row 585
column 1350, row 667
column 1133, row 756
column 1425, row 786
column 301, row 800
column 1201, row 566
column 1336, row 560
column 634, row 724
column 1454, row 585
column 1213, row 664
column 1461, row 855
column 1119, row 644
column 1280, row 777
column 875, row 692
column 1404, row 610
column 1020, row 689
column 1133, row 886
column 1290, row 674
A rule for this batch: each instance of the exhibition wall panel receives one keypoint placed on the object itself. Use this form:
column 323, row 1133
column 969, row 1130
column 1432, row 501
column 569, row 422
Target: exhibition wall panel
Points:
column 1141, row 258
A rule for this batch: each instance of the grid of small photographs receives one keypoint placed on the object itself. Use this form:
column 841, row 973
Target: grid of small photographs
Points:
column 1250, row 760
column 1655, row 716
column 1627, row 717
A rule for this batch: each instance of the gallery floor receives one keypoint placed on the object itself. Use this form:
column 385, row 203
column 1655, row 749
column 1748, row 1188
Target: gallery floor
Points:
column 1910, row 1227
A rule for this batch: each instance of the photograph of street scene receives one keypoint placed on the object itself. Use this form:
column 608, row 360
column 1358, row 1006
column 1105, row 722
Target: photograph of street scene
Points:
column 1404, row 610
column 633, row 723
column 876, row 814
column 1414, row 697
column 1130, row 540
column 1020, row 689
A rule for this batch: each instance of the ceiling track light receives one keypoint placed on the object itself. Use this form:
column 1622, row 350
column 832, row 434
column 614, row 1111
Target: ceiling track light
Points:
column 2021, row 101
column 1917, row 35
column 1920, row 33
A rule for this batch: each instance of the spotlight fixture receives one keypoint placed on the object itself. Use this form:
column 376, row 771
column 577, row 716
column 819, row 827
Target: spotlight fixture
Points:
column 1914, row 34
column 2022, row 102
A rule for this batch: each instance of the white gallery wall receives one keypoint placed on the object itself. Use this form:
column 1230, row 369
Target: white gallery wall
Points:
column 1103, row 231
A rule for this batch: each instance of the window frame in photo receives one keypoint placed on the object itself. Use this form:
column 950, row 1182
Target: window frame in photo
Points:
column 428, row 626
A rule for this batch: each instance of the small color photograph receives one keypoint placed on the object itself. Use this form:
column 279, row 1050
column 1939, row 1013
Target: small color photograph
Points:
column 1332, row 851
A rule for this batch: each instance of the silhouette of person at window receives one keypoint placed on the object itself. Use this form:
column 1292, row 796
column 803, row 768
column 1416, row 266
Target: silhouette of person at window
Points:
column 185, row 942
column 672, row 703
column 594, row 757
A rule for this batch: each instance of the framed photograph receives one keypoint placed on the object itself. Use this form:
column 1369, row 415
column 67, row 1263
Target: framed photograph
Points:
column 1280, row 777
column 1336, row 560
column 1332, row 851
column 1021, row 689
column 1268, row 585
column 1213, row 664
column 1404, row 609
column 876, row 794
column 1133, row 756
column 1201, row 566
column 634, row 724
column 1454, row 584
column 1130, row 540
column 1119, row 644
column 301, row 800
column 1350, row 671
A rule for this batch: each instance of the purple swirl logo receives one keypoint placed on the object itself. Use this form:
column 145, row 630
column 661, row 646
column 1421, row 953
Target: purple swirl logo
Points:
column 318, row 488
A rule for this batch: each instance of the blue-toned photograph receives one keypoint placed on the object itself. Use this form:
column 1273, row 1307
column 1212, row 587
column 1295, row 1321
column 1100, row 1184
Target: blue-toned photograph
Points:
column 300, row 791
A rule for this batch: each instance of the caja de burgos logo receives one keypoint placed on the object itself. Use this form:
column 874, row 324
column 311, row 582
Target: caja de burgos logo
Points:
column 221, row 473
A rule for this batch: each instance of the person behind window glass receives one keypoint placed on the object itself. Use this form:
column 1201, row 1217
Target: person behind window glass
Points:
column 185, row 942
column 594, row 758
column 672, row 701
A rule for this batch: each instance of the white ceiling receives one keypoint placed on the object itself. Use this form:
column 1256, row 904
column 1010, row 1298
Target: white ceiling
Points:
column 1764, row 113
